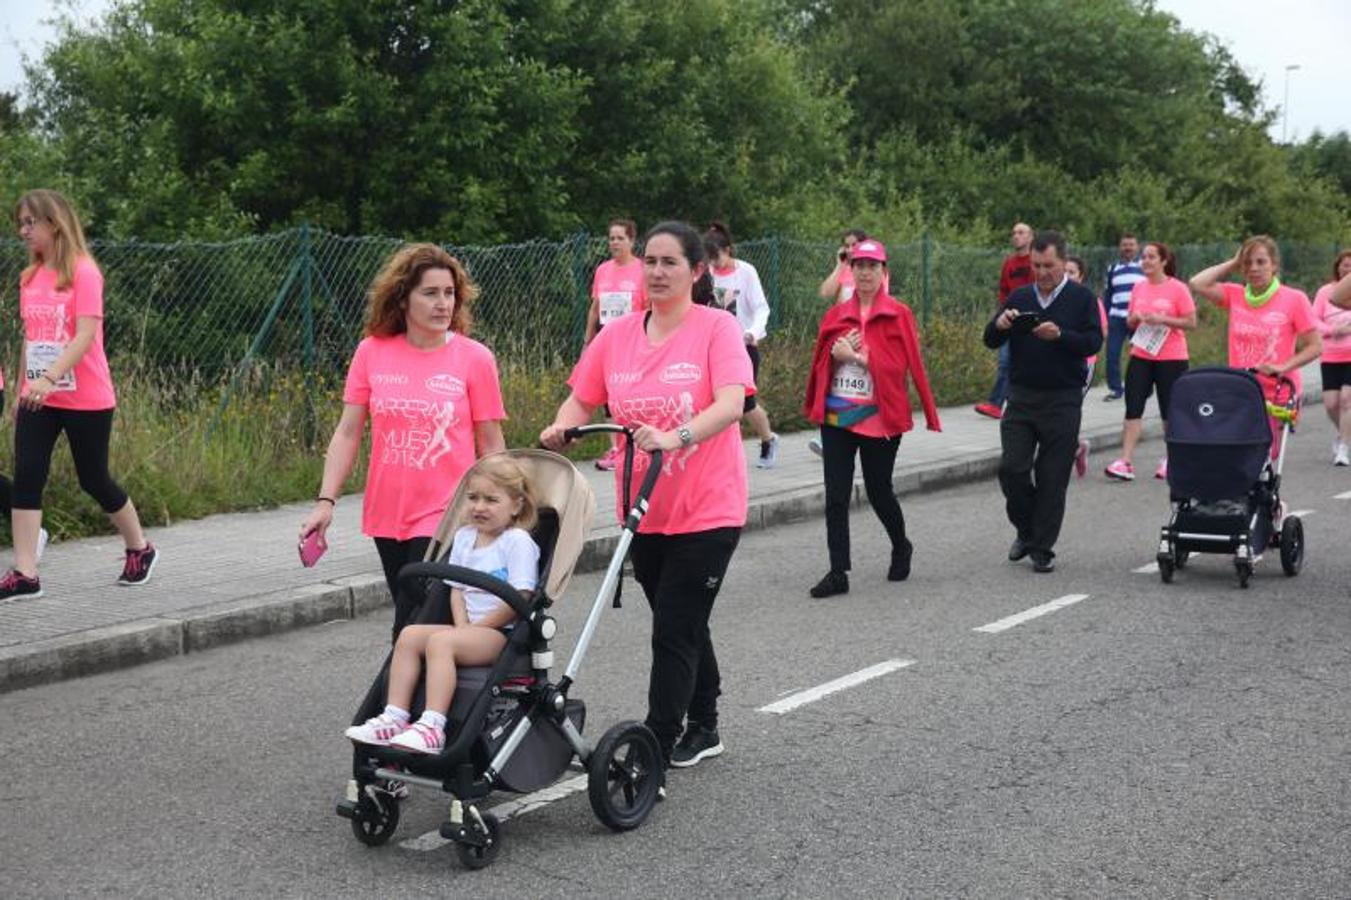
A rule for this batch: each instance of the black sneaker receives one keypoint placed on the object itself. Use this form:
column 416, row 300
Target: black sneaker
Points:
column 695, row 744
column 1042, row 561
column 1114, row 395
column 900, row 562
column 15, row 585
column 1018, row 549
column 139, row 565
column 835, row 582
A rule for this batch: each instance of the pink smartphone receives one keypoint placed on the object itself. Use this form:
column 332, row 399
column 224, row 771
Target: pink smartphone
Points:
column 312, row 546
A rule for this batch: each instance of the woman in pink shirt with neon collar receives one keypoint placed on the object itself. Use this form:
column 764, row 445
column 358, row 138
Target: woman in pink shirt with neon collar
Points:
column 678, row 376
column 434, row 402
column 1271, row 326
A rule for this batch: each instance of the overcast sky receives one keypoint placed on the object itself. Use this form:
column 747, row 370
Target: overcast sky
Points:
column 1264, row 36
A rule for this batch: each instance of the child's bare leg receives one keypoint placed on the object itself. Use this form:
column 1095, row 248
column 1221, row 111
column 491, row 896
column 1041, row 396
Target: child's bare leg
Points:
column 467, row 645
column 406, row 665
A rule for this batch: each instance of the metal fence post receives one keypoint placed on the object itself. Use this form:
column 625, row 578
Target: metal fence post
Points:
column 307, row 314
column 581, row 290
column 775, row 283
column 925, row 282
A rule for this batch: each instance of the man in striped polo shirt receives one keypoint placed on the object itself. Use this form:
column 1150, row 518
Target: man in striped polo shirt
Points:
column 1121, row 277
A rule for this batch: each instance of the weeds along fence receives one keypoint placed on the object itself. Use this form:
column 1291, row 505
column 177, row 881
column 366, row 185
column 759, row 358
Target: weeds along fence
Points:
column 296, row 298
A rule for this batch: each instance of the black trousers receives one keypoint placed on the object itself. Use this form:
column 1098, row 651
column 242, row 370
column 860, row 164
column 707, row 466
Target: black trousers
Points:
column 1039, row 434
column 681, row 574
column 878, row 457
column 394, row 555
column 88, row 431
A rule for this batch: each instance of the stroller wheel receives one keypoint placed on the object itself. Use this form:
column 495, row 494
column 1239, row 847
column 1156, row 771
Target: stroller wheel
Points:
column 1244, row 569
column 481, row 855
column 1165, row 569
column 624, row 775
column 375, row 819
column 1292, row 545
column 1180, row 559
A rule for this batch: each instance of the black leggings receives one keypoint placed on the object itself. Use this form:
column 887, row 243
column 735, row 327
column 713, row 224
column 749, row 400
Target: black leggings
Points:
column 6, row 486
column 87, row 431
column 394, row 555
column 1144, row 376
column 878, row 456
column 681, row 574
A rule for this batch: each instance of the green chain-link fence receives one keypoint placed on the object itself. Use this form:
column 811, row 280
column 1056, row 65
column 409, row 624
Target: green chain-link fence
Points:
column 297, row 297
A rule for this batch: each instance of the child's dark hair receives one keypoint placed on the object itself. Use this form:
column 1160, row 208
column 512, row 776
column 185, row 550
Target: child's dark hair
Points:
column 719, row 238
column 510, row 476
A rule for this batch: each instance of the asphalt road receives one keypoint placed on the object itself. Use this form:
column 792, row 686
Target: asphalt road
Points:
column 1188, row 740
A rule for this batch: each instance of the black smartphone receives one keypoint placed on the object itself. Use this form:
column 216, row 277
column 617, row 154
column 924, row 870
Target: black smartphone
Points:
column 1024, row 322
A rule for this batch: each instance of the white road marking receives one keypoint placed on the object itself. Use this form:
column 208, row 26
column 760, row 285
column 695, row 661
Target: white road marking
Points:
column 1344, row 495
column 1028, row 614
column 801, row 698
column 1302, row 513
column 1149, row 569
column 432, row 840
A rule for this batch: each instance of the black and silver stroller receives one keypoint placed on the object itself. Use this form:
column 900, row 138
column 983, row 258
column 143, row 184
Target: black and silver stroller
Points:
column 1226, row 488
column 510, row 727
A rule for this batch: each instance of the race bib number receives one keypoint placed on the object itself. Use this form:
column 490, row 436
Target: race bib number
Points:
column 852, row 382
column 614, row 304
column 1150, row 338
column 38, row 358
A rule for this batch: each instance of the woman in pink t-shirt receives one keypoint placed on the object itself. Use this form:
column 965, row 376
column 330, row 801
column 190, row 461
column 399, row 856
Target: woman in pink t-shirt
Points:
column 678, row 376
column 616, row 291
column 65, row 386
column 1161, row 310
column 1271, row 326
column 1334, row 326
column 434, row 403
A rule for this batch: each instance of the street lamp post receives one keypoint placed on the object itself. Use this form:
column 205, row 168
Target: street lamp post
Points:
column 1285, row 105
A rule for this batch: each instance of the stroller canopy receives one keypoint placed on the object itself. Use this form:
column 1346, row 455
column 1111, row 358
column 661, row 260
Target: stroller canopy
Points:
column 559, row 487
column 1218, row 406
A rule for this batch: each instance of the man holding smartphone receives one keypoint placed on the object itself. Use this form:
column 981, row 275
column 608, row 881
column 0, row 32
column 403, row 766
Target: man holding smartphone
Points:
column 1050, row 328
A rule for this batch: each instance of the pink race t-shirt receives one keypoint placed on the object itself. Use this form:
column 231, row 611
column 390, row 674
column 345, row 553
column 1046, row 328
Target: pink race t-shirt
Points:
column 423, row 406
column 49, row 318
column 618, row 290
column 1170, row 298
column 704, row 485
column 1336, row 349
column 1267, row 334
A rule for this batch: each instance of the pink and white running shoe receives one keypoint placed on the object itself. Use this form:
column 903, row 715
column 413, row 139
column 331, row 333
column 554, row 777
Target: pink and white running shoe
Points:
column 1121, row 470
column 1161, row 472
column 377, row 731
column 421, row 738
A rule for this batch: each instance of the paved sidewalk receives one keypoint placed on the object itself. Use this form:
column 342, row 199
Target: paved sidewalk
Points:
column 231, row 577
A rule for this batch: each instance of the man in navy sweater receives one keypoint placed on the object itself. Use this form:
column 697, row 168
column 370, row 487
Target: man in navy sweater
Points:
column 1048, row 369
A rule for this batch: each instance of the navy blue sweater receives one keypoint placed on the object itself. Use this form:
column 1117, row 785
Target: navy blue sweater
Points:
column 1061, row 363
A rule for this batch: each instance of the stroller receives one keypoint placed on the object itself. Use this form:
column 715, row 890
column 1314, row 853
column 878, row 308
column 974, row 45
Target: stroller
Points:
column 1225, row 486
column 510, row 727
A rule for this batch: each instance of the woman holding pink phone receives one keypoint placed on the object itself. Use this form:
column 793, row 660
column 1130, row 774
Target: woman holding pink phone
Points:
column 434, row 402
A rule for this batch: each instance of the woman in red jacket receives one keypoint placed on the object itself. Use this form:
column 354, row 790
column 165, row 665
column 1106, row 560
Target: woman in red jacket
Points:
column 857, row 392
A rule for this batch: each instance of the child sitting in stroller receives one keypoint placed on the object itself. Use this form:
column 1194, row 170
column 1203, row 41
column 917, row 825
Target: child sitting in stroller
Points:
column 501, row 510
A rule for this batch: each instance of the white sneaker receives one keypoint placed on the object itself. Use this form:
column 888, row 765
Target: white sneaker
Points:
column 814, row 445
column 43, row 537
column 377, row 731
column 1341, row 457
column 769, row 452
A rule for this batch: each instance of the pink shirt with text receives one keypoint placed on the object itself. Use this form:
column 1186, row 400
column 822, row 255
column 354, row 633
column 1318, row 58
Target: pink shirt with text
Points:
column 618, row 289
column 1170, row 298
column 1267, row 334
column 49, row 316
column 704, row 485
column 1336, row 348
column 423, row 406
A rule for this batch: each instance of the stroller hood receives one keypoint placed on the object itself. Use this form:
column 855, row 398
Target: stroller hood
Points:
column 557, row 486
column 1218, row 406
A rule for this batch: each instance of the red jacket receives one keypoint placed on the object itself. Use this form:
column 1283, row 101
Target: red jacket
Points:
column 892, row 341
column 1016, row 272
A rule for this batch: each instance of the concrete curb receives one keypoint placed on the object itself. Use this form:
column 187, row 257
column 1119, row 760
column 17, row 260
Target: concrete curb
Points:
column 148, row 640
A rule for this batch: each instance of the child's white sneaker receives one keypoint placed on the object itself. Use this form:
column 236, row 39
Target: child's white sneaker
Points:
column 421, row 738
column 377, row 731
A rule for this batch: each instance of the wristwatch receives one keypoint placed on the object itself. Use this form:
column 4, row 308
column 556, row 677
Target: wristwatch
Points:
column 686, row 436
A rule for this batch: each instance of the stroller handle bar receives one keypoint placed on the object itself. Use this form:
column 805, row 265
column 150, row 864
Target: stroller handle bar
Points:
column 653, row 471
column 472, row 577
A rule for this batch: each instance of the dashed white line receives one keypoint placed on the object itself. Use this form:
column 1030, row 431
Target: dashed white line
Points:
column 1344, row 495
column 1028, row 614
column 801, row 698
column 1148, row 569
column 432, row 840
column 1302, row 513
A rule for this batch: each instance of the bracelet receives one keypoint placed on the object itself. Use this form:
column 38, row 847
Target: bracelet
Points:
column 328, row 500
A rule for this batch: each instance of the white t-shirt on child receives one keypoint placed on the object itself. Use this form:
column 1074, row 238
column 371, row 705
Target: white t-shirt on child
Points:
column 513, row 557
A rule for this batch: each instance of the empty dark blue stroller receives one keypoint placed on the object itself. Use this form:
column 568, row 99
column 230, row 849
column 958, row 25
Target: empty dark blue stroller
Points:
column 1225, row 486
